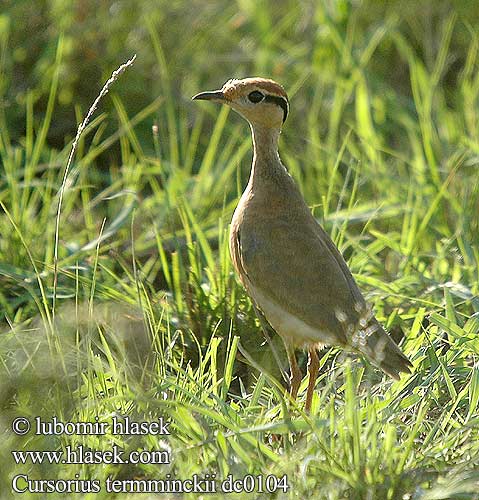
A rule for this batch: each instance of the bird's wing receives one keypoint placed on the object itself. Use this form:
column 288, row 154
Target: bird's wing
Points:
column 299, row 268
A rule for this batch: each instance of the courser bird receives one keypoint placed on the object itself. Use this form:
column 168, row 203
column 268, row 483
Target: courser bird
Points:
column 287, row 263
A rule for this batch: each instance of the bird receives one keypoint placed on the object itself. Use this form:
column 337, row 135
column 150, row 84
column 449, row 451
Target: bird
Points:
column 289, row 266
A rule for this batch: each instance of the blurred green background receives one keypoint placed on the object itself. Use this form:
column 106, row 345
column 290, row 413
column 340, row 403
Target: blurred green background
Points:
column 305, row 45
column 383, row 140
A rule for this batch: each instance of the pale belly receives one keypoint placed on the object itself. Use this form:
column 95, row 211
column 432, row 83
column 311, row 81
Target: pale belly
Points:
column 292, row 329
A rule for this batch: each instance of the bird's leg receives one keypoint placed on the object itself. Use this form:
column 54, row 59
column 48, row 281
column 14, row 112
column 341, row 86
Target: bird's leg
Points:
column 296, row 376
column 313, row 369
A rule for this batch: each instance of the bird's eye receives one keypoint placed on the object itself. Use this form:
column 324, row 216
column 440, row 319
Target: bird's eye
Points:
column 255, row 96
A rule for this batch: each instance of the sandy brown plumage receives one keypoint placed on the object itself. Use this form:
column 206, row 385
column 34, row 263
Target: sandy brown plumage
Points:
column 285, row 260
column 234, row 88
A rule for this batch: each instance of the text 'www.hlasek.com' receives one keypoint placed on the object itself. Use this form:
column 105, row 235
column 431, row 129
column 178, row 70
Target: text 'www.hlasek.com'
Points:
column 114, row 454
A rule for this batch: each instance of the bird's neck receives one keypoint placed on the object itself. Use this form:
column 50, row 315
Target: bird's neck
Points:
column 266, row 161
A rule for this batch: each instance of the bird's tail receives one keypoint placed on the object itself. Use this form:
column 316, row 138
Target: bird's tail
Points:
column 380, row 348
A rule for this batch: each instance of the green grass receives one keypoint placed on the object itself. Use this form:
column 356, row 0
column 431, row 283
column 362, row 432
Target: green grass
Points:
column 149, row 318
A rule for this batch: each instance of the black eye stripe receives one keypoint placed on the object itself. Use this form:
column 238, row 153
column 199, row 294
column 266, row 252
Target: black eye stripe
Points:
column 279, row 101
column 255, row 96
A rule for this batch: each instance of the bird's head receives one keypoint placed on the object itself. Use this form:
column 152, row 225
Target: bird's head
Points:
column 261, row 101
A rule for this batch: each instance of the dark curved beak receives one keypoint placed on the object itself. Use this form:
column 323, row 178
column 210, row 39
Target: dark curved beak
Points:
column 215, row 95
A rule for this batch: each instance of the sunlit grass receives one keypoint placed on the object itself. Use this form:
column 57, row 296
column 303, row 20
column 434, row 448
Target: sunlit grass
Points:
column 150, row 320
